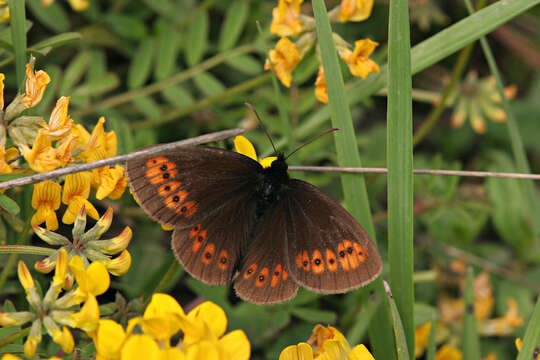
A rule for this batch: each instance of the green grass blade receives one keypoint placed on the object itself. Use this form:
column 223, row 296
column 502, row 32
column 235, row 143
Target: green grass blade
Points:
column 399, row 332
column 431, row 348
column 470, row 340
column 400, row 166
column 354, row 188
column 427, row 53
column 18, row 35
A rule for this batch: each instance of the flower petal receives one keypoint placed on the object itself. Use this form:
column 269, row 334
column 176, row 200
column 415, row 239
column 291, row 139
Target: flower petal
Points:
column 302, row 351
column 210, row 314
column 110, row 338
column 236, row 345
column 140, row 347
column 245, row 147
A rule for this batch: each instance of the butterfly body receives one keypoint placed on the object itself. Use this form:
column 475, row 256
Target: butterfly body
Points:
column 235, row 221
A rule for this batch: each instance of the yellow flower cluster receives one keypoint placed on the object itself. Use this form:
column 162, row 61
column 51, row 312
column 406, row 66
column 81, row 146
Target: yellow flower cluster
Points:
column 47, row 146
column 327, row 343
column 288, row 21
column 451, row 319
column 56, row 312
column 149, row 336
column 88, row 246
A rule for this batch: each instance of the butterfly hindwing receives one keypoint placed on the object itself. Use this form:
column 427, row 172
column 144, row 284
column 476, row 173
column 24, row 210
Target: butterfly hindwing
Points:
column 210, row 250
column 208, row 195
column 327, row 250
column 264, row 277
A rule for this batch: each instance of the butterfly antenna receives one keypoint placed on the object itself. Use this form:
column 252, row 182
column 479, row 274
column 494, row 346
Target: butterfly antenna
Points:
column 262, row 125
column 312, row 140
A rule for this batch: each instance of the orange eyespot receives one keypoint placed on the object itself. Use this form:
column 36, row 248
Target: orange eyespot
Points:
column 299, row 260
column 188, row 209
column 161, row 176
column 262, row 277
column 285, row 275
column 342, row 257
column 223, row 260
column 167, row 166
column 172, row 201
column 305, row 260
column 154, row 161
column 250, row 271
column 198, row 241
column 166, row 189
column 317, row 263
column 360, row 252
column 276, row 275
column 208, row 253
column 194, row 230
column 331, row 261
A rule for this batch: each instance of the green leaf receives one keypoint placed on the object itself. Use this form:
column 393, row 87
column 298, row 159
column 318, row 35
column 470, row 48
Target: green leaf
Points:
column 97, row 86
column 129, row 27
column 399, row 333
column 314, row 315
column 18, row 37
column 235, row 19
column 54, row 16
column 9, row 205
column 75, row 71
column 208, row 84
column 400, row 167
column 141, row 65
column 6, row 177
column 245, row 64
column 177, row 95
column 168, row 46
column 197, row 38
column 146, row 105
column 58, row 40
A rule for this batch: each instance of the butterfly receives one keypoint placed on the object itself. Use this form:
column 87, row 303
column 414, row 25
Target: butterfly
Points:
column 238, row 221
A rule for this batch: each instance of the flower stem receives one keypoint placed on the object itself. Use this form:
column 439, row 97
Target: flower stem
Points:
column 10, row 263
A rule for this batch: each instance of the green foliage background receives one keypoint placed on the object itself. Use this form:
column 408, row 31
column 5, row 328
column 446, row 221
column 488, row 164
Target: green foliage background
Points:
column 164, row 70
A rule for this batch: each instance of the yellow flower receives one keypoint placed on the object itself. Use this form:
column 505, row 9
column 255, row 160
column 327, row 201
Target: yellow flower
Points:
column 36, row 83
column 140, row 347
column 62, row 336
column 109, row 182
column 100, row 145
column 245, row 147
column 33, row 339
column 5, row 168
column 321, row 93
column 91, row 281
column 46, row 200
column 421, row 338
column 505, row 325
column 119, row 265
column 4, row 14
column 42, row 156
column 59, row 123
column 285, row 18
column 109, row 340
column 448, row 352
column 75, row 196
column 355, row 10
column 64, row 147
column 88, row 318
column 79, row 5
column 327, row 343
column 284, row 57
column 477, row 99
column 358, row 61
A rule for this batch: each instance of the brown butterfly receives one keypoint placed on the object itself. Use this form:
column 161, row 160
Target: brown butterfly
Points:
column 237, row 221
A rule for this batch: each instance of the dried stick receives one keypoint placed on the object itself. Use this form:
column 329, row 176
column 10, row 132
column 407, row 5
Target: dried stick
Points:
column 216, row 136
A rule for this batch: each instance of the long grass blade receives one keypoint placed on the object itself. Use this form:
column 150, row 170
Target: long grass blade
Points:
column 399, row 332
column 18, row 35
column 400, row 166
column 354, row 187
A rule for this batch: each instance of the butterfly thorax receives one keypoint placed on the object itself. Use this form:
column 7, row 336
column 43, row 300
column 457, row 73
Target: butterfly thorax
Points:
column 274, row 179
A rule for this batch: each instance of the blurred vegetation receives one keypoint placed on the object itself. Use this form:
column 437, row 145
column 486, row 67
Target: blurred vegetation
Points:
column 162, row 70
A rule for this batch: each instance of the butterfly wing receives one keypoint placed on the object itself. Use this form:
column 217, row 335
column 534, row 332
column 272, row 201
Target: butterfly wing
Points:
column 264, row 277
column 209, row 196
column 328, row 251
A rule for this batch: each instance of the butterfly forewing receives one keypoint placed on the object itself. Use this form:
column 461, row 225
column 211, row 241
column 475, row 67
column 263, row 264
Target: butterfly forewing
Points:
column 208, row 195
column 328, row 251
column 264, row 277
